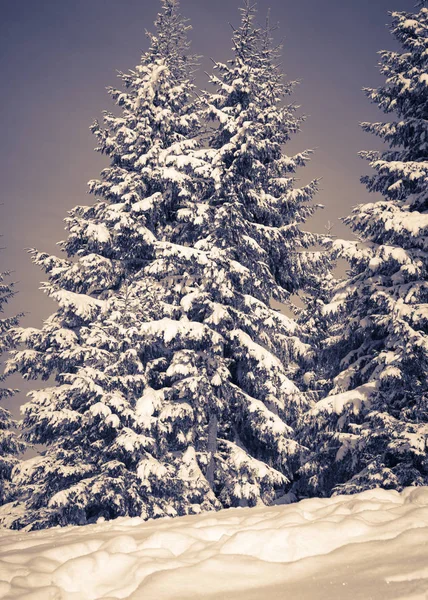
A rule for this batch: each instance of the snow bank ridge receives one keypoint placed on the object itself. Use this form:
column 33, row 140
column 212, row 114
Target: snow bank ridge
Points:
column 371, row 545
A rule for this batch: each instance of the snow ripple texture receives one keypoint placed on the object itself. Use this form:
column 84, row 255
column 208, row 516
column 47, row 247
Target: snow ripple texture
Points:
column 373, row 545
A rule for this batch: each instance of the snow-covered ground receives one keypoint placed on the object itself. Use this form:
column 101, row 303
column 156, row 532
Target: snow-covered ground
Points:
column 371, row 546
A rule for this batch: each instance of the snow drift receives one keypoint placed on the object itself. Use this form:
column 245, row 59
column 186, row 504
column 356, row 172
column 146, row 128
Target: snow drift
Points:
column 370, row 546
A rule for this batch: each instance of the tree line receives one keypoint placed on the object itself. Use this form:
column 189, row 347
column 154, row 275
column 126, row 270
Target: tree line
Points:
column 173, row 385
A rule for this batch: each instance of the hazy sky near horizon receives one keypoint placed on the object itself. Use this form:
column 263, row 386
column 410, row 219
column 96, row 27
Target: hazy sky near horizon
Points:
column 59, row 55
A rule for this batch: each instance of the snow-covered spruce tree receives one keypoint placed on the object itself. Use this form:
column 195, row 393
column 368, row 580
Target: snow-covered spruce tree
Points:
column 10, row 443
column 245, row 247
column 90, row 467
column 372, row 429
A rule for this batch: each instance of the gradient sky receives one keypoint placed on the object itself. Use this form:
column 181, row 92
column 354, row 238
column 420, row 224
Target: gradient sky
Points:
column 59, row 55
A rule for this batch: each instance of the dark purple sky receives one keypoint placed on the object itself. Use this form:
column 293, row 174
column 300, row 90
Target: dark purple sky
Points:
column 59, row 55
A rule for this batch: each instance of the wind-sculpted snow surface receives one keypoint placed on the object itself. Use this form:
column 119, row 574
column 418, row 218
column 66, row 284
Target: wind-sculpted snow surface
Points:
column 371, row 545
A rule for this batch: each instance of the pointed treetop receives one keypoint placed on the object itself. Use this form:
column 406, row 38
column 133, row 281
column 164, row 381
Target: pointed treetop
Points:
column 170, row 42
column 256, row 52
column 246, row 37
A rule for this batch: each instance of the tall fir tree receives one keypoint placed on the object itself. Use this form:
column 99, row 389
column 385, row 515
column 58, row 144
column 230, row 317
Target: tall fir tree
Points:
column 244, row 228
column 372, row 428
column 91, row 467
column 173, row 373
column 11, row 445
